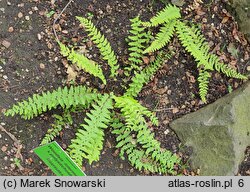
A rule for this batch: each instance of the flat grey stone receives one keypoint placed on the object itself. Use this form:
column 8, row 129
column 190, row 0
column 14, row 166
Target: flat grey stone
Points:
column 218, row 133
column 242, row 10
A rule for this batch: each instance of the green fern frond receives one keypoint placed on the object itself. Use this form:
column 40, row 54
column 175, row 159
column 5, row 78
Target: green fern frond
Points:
column 143, row 150
column 203, row 80
column 195, row 43
column 144, row 76
column 56, row 128
column 89, row 138
column 66, row 98
column 228, row 71
column 83, row 62
column 102, row 43
column 163, row 37
column 133, row 110
column 169, row 13
column 137, row 39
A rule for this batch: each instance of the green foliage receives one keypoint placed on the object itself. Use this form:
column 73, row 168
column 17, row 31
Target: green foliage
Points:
column 163, row 37
column 136, row 42
column 142, row 149
column 195, row 43
column 66, row 98
column 89, row 138
column 203, row 83
column 167, row 14
column 144, row 76
column 83, row 62
column 57, row 127
column 134, row 138
column 102, row 43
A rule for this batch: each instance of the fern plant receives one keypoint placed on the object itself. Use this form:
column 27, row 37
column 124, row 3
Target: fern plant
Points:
column 127, row 118
column 193, row 41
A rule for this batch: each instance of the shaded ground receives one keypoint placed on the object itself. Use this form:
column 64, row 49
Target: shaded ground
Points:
column 32, row 64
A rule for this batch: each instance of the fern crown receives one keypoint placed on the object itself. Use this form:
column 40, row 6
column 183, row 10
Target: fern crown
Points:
column 127, row 118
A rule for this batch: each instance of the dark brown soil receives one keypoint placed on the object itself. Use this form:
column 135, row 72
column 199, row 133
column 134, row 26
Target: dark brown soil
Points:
column 32, row 64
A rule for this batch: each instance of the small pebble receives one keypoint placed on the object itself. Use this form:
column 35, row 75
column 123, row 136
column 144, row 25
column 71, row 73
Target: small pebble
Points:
column 11, row 29
column 27, row 18
column 4, row 148
column 20, row 15
column 42, row 66
column 166, row 132
column 5, row 77
column 39, row 36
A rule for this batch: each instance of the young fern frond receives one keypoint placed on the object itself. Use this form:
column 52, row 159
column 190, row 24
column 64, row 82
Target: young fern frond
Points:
column 203, row 80
column 144, row 76
column 83, row 62
column 163, row 37
column 56, row 128
column 89, row 138
column 102, row 43
column 169, row 13
column 136, row 42
column 64, row 97
column 143, row 150
column 195, row 43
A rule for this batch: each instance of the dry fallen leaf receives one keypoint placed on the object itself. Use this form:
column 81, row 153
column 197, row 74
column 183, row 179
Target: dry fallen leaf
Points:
column 175, row 110
column 224, row 20
column 71, row 74
column 233, row 50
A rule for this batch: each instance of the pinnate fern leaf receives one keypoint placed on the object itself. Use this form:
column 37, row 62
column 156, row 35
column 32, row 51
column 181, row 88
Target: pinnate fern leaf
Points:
column 102, row 43
column 203, row 80
column 195, row 43
column 144, row 76
column 60, row 122
column 133, row 111
column 64, row 97
column 163, row 37
column 169, row 13
column 136, row 41
column 89, row 138
column 83, row 62
column 143, row 151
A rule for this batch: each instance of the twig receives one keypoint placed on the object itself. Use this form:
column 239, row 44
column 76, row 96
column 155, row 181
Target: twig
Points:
column 164, row 109
column 56, row 19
